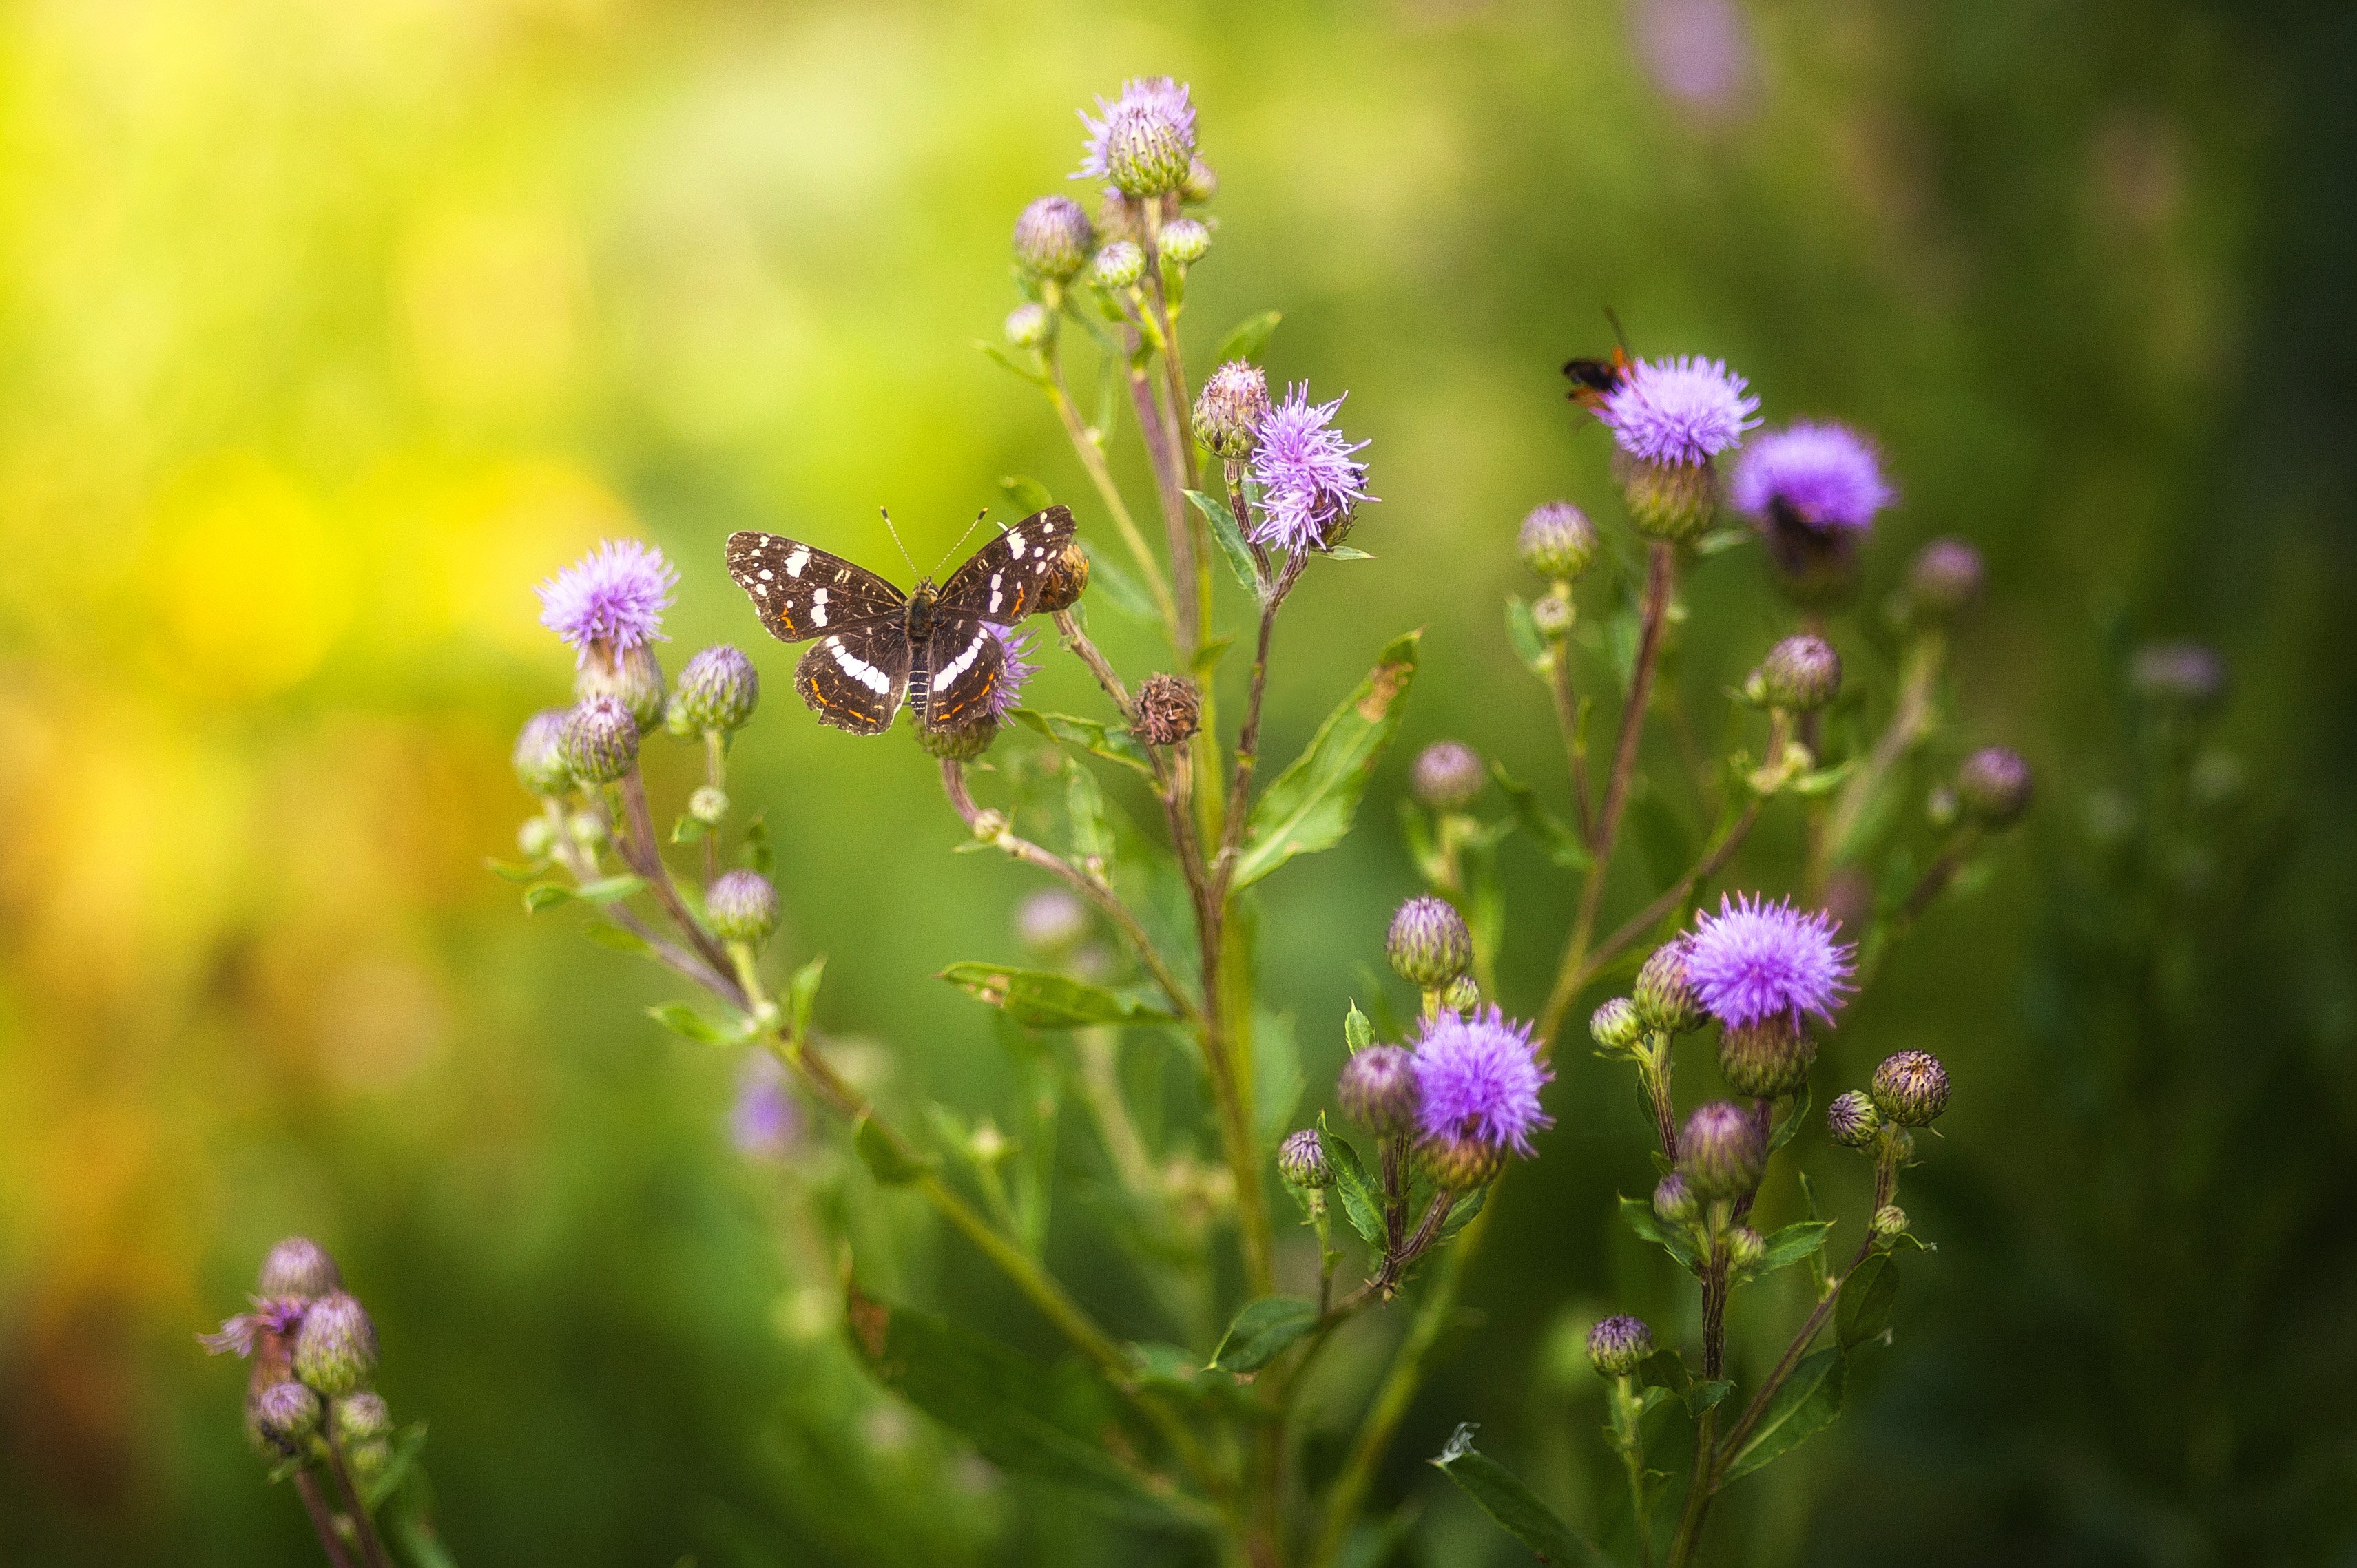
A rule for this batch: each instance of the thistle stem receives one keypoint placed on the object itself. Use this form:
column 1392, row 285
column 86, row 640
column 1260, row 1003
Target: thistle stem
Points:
column 322, row 1518
column 1092, row 456
column 372, row 1551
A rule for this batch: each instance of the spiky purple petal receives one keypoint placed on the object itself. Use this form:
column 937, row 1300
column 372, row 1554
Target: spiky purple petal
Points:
column 1755, row 960
column 1307, row 482
column 1826, row 475
column 1685, row 410
column 612, row 598
column 1480, row 1077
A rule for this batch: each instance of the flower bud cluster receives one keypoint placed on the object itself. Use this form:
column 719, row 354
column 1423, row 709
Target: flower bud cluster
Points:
column 314, row 1354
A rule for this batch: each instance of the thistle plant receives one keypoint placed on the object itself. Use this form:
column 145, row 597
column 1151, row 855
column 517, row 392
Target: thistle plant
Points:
column 1151, row 820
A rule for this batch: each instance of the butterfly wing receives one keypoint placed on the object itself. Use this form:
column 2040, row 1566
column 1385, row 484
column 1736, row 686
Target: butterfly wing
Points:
column 1002, row 581
column 801, row 593
column 965, row 663
column 855, row 679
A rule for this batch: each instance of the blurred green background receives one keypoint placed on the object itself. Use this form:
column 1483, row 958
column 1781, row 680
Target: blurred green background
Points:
column 326, row 330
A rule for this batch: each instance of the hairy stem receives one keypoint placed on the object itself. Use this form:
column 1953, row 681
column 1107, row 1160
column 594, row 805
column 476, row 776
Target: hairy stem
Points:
column 372, row 1551
column 649, row 863
column 322, row 1518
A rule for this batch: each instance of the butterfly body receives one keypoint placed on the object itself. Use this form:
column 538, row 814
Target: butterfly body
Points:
column 876, row 646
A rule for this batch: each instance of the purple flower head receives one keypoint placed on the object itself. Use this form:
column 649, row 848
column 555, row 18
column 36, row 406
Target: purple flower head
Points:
column 1685, row 410
column 1142, row 141
column 1007, row 695
column 611, row 601
column 1308, row 486
column 765, row 1121
column 1753, row 962
column 1479, row 1078
column 238, row 1336
column 1825, row 477
column 1698, row 52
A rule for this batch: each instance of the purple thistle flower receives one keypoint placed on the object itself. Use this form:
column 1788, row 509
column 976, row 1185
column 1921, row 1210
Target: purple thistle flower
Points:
column 1308, row 485
column 1686, row 410
column 1007, row 695
column 1754, row 961
column 611, row 600
column 1479, row 1078
column 238, row 1336
column 1151, row 121
column 1826, row 475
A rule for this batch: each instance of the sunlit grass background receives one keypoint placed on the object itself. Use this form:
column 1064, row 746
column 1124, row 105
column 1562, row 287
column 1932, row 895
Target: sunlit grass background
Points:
column 326, row 330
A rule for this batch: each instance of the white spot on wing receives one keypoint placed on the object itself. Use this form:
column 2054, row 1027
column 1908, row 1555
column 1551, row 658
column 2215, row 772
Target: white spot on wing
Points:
column 995, row 597
column 818, row 608
column 1014, row 545
column 947, row 674
column 858, row 669
column 762, row 589
column 797, row 560
column 766, row 577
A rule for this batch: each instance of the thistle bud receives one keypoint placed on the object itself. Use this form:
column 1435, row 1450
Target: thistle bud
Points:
column 1461, row 1163
column 298, row 1267
column 1616, row 1026
column 1028, row 324
column 1377, row 1089
column 369, row 1459
column 1228, row 410
column 2179, row 674
column 284, row 1415
column 1993, row 785
column 1674, row 1201
column 718, row 690
column 1146, row 141
column 962, row 744
column 540, row 765
column 1944, row 579
column 1052, row 238
column 742, row 907
column 586, row 828
column 1448, row 776
column 1201, row 184
column 1118, row 265
column 362, row 1416
column 1721, row 1151
column 1889, row 1224
column 335, row 1350
column 1664, row 997
column 1552, row 616
column 1617, row 1344
column 1557, row 542
column 1067, row 580
column 1301, row 1160
column 1186, row 242
column 1746, row 1248
column 635, row 676
column 1801, row 674
column 988, row 824
column 1169, row 711
column 1672, row 501
column 601, row 740
column 1462, row 995
column 1911, row 1088
column 1428, row 944
column 1852, row 1119
column 1766, row 1059
column 708, row 805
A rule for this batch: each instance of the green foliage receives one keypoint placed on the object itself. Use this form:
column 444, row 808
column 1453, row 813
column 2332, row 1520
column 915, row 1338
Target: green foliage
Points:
column 1040, row 999
column 1518, row 1510
column 1309, row 806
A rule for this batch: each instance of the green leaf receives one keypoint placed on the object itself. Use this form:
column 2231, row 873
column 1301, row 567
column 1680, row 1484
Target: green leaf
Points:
column 688, row 1024
column 1863, row 1311
column 1807, row 1404
column 1084, row 804
column 1357, row 1032
column 1664, row 1369
column 407, row 1444
column 802, row 995
column 1025, row 494
column 890, row 1165
column 1463, row 1214
column 1792, row 1242
column 1516, row 1508
column 1718, row 541
column 688, row 830
column 1702, row 1396
column 1262, row 1331
column 1247, row 339
column 1791, row 1122
column 1361, row 1199
column 1523, row 634
column 1554, row 837
column 1041, row 1000
column 509, row 871
column 1230, row 539
column 545, row 895
column 1348, row 553
column 1091, row 736
column 753, row 847
column 1636, row 1213
column 1009, row 361
column 1308, row 807
column 1111, row 580
column 620, row 939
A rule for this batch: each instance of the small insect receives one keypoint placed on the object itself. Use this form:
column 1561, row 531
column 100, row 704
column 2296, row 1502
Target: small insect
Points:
column 1593, row 381
column 877, row 646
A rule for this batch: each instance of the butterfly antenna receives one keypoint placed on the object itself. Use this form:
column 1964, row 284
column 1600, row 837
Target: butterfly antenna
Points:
column 896, row 540
column 962, row 538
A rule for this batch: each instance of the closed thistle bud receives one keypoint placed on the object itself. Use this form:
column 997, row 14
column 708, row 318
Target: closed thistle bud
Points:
column 1052, row 238
column 962, row 744
column 1944, row 579
column 540, row 763
column 1912, row 1088
column 370, row 1458
column 1118, row 265
column 1675, row 501
column 362, row 1416
column 635, row 676
column 1801, row 674
column 1557, row 542
column 718, row 690
column 1674, row 1200
column 1461, row 1163
column 743, row 908
column 298, row 1267
column 1993, row 785
column 708, row 805
column 1617, row 1344
column 1461, row 994
column 1186, row 241
column 1766, row 1059
column 1067, row 580
column 1721, row 1151
column 1552, row 616
column 1889, row 1223
column 1664, row 995
column 1852, row 1119
column 1616, row 1026
column 284, row 1415
column 335, row 1350
column 1146, row 141
column 1745, row 1247
column 1169, row 711
column 1301, row 1160
column 601, row 740
column 1448, row 776
column 1201, row 183
column 1428, row 944
column 1229, row 409
column 1028, row 324
column 1377, row 1089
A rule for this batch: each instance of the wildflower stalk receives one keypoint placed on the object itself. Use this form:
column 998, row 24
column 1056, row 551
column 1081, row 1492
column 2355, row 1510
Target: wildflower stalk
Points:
column 322, row 1518
column 582, row 868
column 648, row 861
column 1085, row 445
column 372, row 1552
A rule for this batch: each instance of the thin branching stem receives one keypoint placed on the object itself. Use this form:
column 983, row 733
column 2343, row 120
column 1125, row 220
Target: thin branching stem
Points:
column 322, row 1518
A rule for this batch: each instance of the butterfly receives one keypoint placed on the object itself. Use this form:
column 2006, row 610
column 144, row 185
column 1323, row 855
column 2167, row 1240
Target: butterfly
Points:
column 878, row 646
